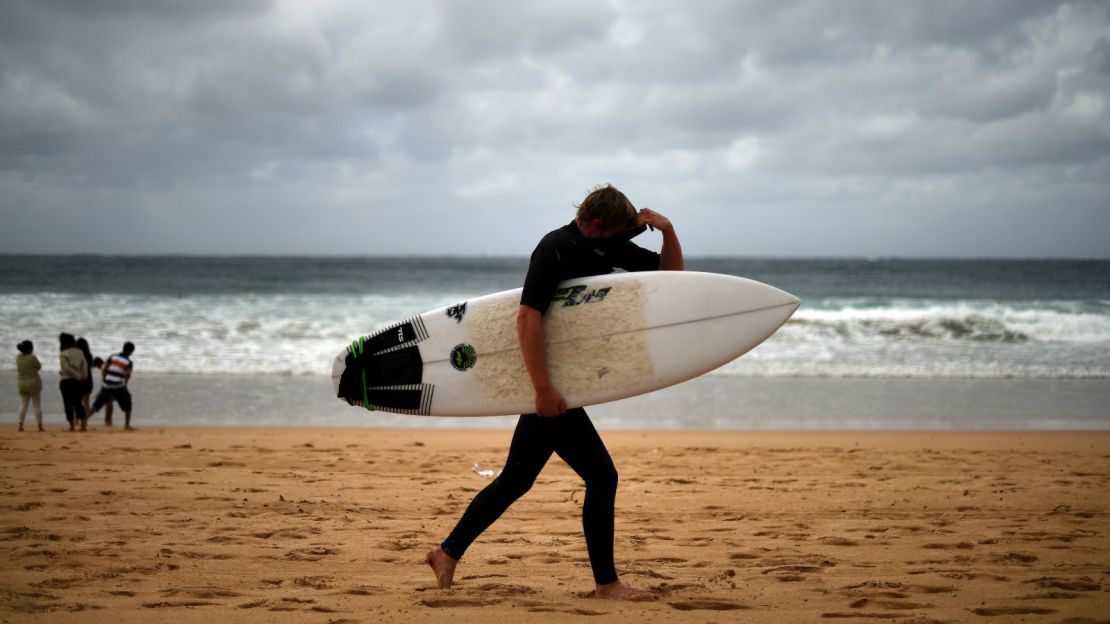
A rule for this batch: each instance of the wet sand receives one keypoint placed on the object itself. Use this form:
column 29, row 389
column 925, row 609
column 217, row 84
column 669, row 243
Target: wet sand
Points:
column 716, row 402
column 331, row 526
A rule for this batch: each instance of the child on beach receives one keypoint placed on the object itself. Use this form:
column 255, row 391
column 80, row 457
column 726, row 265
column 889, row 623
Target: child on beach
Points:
column 30, row 383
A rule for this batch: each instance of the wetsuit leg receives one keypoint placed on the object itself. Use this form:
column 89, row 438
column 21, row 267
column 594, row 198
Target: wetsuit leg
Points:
column 580, row 446
column 530, row 449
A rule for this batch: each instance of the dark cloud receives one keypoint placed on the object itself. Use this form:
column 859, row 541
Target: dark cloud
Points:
column 1099, row 56
column 272, row 126
column 495, row 29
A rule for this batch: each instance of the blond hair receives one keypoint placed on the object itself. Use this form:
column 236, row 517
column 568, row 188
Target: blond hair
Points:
column 609, row 205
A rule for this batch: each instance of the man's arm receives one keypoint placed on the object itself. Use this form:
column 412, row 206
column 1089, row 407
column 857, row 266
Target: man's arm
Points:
column 670, row 256
column 529, row 329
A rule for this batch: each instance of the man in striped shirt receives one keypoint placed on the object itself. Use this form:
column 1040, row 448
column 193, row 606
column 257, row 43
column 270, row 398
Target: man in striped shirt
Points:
column 113, row 384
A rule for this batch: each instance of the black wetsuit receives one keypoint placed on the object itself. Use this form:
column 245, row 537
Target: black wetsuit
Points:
column 561, row 255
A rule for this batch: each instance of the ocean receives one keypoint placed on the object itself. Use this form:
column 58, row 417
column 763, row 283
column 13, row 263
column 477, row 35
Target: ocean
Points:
column 876, row 343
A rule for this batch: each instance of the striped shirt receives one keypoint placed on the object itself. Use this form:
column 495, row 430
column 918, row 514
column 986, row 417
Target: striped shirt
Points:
column 116, row 370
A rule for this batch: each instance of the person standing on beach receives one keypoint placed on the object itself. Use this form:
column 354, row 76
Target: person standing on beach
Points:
column 596, row 242
column 27, row 367
column 87, row 384
column 74, row 370
column 113, row 385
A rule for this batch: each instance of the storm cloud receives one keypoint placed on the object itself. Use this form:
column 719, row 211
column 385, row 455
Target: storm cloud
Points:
column 441, row 127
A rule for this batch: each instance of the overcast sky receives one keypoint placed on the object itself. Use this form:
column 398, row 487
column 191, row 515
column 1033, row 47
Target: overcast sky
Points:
column 931, row 128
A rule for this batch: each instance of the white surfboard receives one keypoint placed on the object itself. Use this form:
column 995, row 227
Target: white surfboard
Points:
column 607, row 337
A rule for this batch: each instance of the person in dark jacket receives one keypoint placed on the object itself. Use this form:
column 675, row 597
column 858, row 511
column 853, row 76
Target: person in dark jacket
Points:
column 74, row 369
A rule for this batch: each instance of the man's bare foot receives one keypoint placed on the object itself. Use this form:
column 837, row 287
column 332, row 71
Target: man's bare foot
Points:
column 443, row 565
column 619, row 591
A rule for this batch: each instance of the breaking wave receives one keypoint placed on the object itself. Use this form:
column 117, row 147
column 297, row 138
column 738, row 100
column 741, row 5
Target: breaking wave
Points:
column 299, row 333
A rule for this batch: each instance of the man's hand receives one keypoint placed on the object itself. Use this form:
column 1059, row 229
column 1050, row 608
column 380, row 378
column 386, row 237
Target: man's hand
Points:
column 650, row 218
column 550, row 402
column 529, row 327
column 670, row 256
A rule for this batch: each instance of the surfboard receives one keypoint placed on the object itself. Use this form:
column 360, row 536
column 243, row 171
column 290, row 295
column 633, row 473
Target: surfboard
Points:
column 607, row 337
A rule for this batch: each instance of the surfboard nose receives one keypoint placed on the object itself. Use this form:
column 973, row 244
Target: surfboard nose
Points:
column 773, row 297
column 766, row 296
column 793, row 301
column 789, row 305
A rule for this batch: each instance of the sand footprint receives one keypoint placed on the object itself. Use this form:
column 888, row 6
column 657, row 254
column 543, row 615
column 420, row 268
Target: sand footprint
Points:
column 362, row 590
column 997, row 611
column 454, row 603
column 310, row 554
column 203, row 592
column 545, row 609
column 889, row 605
column 837, row 541
column 704, row 604
column 857, row 615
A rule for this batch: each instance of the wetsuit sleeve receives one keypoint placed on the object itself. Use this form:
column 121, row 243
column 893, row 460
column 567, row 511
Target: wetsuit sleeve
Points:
column 542, row 278
column 632, row 257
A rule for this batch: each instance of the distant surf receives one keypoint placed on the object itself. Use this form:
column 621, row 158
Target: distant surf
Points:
column 287, row 315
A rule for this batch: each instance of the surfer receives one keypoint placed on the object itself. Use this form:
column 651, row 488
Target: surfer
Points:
column 595, row 243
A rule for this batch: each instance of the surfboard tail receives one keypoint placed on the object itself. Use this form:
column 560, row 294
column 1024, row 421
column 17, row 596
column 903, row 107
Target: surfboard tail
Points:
column 374, row 375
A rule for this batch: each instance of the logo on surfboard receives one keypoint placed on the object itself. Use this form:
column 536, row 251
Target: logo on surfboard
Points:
column 463, row 357
column 457, row 312
column 577, row 295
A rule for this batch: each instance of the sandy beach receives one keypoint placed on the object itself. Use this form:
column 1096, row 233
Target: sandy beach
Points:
column 330, row 526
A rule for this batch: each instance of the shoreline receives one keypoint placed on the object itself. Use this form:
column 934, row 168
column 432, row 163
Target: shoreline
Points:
column 331, row 525
column 711, row 402
column 445, row 437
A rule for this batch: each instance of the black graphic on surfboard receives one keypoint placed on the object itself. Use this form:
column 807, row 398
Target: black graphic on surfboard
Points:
column 384, row 370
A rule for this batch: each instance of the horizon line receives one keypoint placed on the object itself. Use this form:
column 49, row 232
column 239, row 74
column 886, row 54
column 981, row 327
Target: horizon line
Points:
column 337, row 256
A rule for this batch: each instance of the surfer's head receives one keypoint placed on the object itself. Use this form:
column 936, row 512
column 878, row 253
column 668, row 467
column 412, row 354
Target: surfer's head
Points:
column 605, row 212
